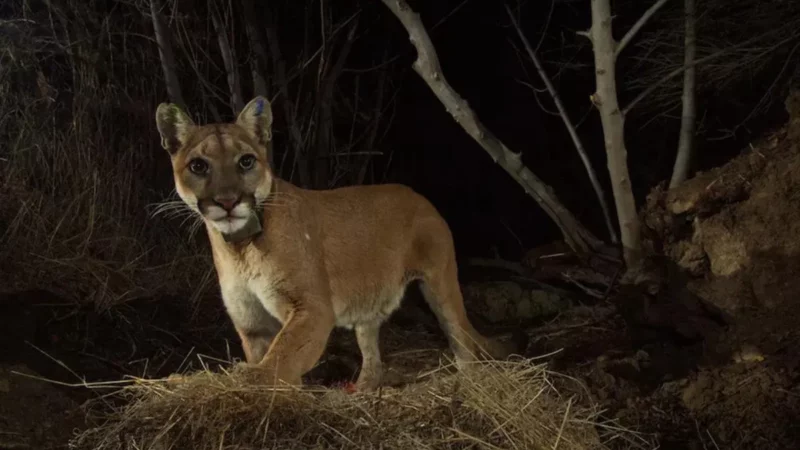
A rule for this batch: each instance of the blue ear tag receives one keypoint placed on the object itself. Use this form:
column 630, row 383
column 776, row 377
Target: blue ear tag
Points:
column 259, row 106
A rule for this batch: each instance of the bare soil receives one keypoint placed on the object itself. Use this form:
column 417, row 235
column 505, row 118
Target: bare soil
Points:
column 703, row 358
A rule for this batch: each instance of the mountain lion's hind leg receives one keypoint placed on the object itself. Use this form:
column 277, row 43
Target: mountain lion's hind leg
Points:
column 443, row 294
column 369, row 378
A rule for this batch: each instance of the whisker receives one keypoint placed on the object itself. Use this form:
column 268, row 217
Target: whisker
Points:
column 188, row 218
column 169, row 207
column 195, row 227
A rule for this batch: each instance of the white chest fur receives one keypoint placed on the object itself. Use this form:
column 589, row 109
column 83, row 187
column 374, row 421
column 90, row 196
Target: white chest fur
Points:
column 249, row 291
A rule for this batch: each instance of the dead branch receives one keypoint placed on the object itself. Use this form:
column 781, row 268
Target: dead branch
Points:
column 601, row 195
column 638, row 26
column 497, row 263
column 279, row 65
column 522, row 273
column 193, row 51
column 167, row 55
column 258, row 60
column 660, row 50
column 325, row 105
column 613, row 123
column 231, row 68
column 689, row 113
column 258, row 65
column 373, row 131
column 428, row 68
column 695, row 63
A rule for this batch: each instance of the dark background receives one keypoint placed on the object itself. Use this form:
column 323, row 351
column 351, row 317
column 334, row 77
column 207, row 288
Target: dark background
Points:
column 81, row 81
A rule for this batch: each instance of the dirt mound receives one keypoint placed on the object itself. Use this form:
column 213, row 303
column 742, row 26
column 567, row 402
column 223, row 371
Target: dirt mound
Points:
column 48, row 414
column 736, row 231
column 749, row 404
column 508, row 405
column 736, row 228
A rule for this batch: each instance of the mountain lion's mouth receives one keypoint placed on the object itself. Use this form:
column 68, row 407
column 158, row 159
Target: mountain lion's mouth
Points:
column 218, row 214
column 237, row 229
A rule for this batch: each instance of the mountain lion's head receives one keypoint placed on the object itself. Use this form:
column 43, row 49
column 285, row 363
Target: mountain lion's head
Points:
column 221, row 170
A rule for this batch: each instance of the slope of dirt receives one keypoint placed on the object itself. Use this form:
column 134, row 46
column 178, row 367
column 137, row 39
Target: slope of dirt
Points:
column 43, row 419
column 735, row 231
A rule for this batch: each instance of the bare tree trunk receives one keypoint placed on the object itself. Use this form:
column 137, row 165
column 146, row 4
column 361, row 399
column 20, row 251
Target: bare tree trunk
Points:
column 601, row 195
column 165, row 51
column 427, row 66
column 689, row 114
column 613, row 123
column 231, row 68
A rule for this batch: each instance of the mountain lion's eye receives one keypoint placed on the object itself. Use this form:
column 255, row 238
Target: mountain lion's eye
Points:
column 246, row 162
column 198, row 166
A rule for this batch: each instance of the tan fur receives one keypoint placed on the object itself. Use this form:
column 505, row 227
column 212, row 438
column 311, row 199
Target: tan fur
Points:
column 325, row 258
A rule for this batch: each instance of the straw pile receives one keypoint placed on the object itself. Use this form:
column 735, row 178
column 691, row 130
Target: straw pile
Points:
column 498, row 405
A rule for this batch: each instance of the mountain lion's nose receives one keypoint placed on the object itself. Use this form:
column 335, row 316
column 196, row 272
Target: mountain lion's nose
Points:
column 227, row 202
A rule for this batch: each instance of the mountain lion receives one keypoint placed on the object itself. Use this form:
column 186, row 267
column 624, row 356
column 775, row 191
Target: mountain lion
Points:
column 294, row 263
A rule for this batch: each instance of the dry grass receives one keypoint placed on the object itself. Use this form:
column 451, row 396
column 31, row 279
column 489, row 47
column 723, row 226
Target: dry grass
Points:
column 89, row 246
column 80, row 165
column 502, row 405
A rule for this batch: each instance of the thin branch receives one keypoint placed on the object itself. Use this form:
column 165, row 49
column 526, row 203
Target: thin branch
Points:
column 689, row 113
column 546, row 25
column 279, row 66
column 601, row 196
column 208, row 89
column 428, row 68
column 324, row 105
column 703, row 60
column 167, row 55
column 638, row 26
column 234, row 84
column 762, row 102
column 258, row 48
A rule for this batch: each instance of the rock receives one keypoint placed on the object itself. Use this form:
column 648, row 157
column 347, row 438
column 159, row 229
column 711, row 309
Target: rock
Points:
column 545, row 303
column 725, row 247
column 505, row 301
column 690, row 257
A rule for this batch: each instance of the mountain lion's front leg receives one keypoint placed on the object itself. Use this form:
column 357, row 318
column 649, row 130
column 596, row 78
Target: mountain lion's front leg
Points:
column 255, row 326
column 256, row 340
column 300, row 343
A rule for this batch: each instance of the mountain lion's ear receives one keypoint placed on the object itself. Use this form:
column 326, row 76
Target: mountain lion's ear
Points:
column 256, row 119
column 174, row 126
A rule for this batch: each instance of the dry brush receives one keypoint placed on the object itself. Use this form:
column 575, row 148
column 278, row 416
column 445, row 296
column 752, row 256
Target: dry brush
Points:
column 516, row 404
column 88, row 211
